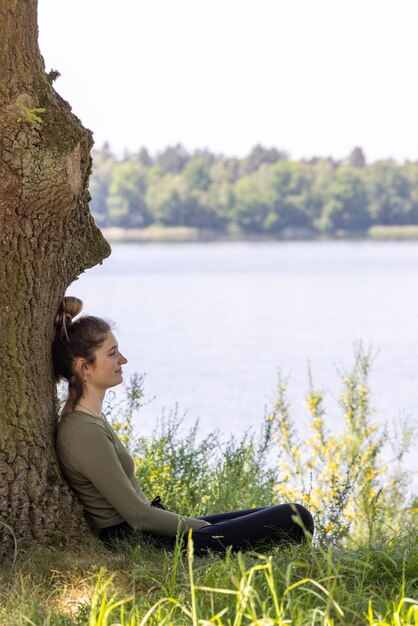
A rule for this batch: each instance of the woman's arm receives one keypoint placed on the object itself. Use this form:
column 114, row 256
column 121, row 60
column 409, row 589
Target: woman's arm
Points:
column 93, row 455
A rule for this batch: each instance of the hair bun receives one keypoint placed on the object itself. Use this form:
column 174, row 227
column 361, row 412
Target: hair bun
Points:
column 69, row 308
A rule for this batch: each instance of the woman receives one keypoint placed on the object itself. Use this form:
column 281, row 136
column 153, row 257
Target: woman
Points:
column 101, row 472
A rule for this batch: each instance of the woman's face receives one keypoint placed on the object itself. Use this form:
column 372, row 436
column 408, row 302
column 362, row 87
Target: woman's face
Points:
column 106, row 371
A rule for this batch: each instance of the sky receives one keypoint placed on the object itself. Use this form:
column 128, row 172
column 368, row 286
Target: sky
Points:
column 310, row 77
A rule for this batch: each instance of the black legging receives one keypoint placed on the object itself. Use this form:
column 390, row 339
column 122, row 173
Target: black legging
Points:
column 250, row 528
column 241, row 530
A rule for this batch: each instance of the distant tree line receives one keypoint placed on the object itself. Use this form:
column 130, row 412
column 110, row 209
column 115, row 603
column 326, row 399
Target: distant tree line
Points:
column 263, row 193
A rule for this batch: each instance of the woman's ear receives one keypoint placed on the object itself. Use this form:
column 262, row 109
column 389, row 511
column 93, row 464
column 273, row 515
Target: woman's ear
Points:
column 80, row 367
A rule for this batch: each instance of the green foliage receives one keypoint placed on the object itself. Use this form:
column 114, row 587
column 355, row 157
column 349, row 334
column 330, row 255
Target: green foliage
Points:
column 264, row 193
column 196, row 174
column 252, row 201
column 393, row 193
column 173, row 159
column 357, row 158
column 260, row 155
column 290, row 194
column 342, row 476
column 199, row 477
column 126, row 196
column 338, row 473
column 165, row 198
column 346, row 208
column 29, row 115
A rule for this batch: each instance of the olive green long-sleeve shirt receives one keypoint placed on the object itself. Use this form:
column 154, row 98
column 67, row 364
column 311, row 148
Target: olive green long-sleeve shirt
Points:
column 102, row 474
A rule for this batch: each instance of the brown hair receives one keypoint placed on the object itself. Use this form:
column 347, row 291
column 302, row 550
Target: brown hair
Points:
column 72, row 340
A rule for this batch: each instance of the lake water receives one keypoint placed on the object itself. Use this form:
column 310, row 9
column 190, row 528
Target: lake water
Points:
column 210, row 324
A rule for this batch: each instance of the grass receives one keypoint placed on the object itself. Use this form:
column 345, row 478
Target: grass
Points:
column 393, row 233
column 184, row 234
column 361, row 568
column 366, row 584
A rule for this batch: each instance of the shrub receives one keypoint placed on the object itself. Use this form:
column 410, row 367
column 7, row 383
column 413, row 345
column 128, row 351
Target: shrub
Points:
column 341, row 477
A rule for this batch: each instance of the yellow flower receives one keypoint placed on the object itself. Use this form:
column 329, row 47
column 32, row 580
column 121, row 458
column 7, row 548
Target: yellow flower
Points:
column 295, row 452
column 329, row 528
column 271, row 417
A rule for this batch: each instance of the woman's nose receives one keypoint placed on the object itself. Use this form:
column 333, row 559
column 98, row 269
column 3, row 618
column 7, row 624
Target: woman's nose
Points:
column 122, row 359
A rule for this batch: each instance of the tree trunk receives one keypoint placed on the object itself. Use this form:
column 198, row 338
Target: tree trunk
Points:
column 47, row 238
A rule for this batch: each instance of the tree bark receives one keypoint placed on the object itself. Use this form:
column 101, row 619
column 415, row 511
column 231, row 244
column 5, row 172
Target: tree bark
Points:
column 47, row 238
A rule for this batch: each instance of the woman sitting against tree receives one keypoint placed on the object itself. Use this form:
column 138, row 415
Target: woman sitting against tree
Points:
column 102, row 473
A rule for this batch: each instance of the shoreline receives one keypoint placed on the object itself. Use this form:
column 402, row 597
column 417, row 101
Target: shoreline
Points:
column 186, row 234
